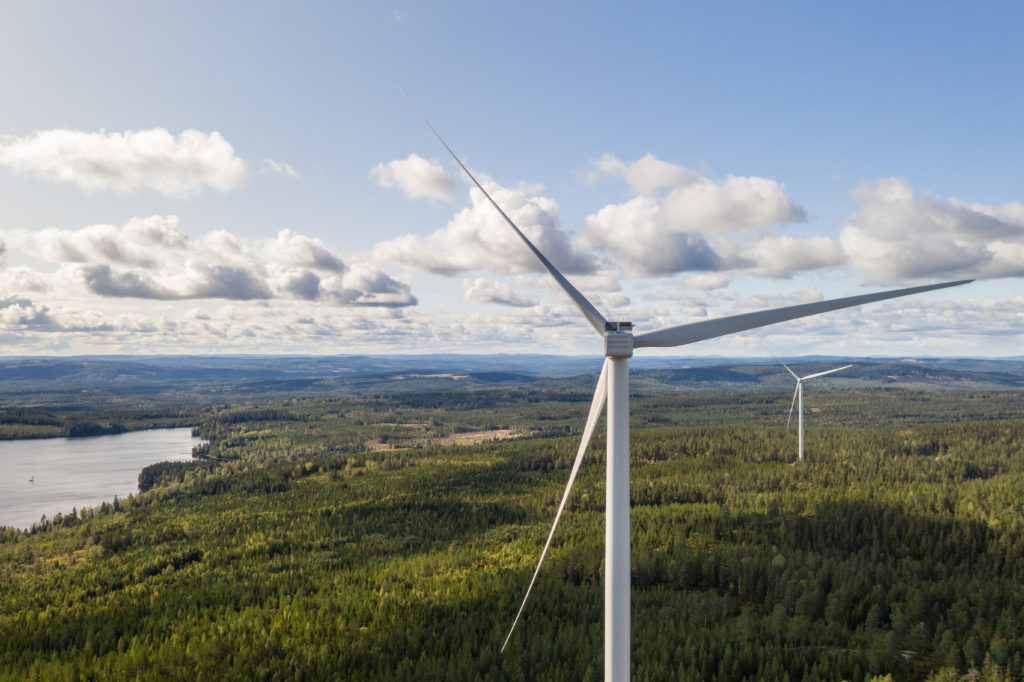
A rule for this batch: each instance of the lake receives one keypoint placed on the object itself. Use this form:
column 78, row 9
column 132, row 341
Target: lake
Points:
column 80, row 472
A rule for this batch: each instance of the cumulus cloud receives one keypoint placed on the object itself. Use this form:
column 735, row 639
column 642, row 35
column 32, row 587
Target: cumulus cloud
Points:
column 295, row 249
column 301, row 326
column 365, row 285
column 782, row 255
column 193, row 280
column 477, row 237
column 416, row 177
column 678, row 222
column 17, row 312
column 201, row 279
column 22, row 279
column 265, row 326
column 681, row 221
column 158, row 229
column 20, row 311
column 895, row 234
column 489, row 291
column 706, row 280
column 104, row 281
column 131, row 244
column 761, row 302
column 149, row 258
column 271, row 166
column 694, row 203
column 646, row 175
column 304, row 284
column 147, row 159
column 737, row 203
column 633, row 234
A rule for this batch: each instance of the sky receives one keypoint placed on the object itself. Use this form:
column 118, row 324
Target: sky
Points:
column 247, row 177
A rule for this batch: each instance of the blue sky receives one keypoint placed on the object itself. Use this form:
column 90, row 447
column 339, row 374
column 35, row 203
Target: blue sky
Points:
column 247, row 177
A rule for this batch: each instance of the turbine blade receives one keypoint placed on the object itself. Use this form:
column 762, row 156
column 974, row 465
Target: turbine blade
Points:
column 792, row 404
column 821, row 374
column 595, row 411
column 781, row 362
column 680, row 335
column 595, row 318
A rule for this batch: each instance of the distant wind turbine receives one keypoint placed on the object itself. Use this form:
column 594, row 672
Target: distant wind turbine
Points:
column 798, row 399
column 613, row 385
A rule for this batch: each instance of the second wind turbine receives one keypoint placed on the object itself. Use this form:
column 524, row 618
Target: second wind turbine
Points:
column 798, row 400
column 613, row 387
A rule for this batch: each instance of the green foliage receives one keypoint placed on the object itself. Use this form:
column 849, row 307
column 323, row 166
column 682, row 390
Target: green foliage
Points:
column 24, row 422
column 293, row 550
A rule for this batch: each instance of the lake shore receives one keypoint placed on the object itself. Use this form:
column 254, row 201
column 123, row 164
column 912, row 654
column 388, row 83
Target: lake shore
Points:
column 45, row 476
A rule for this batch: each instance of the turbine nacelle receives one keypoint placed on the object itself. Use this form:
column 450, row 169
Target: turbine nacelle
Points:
column 618, row 339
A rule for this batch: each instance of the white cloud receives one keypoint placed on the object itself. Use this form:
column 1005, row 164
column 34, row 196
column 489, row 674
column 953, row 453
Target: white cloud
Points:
column 646, row 175
column 763, row 302
column 707, row 280
column 269, row 165
column 22, row 280
column 213, row 280
column 633, row 234
column 191, row 280
column 131, row 245
column 295, row 325
column 304, row 284
column 695, row 203
column 18, row 312
column 681, row 221
column 895, row 234
column 737, row 203
column 149, row 258
column 158, row 229
column 489, row 291
column 148, row 159
column 615, row 302
column 416, row 177
column 296, row 249
column 782, row 255
column 478, row 238
column 365, row 285
column 105, row 281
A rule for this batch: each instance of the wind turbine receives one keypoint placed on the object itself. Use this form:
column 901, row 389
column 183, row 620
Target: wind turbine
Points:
column 613, row 384
column 798, row 397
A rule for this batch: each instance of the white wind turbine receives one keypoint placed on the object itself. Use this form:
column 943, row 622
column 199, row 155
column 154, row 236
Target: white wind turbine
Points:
column 613, row 383
column 798, row 399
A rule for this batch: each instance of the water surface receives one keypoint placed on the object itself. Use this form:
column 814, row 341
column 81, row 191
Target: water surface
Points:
column 48, row 475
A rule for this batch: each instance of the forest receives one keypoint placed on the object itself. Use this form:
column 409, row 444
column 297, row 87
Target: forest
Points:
column 391, row 537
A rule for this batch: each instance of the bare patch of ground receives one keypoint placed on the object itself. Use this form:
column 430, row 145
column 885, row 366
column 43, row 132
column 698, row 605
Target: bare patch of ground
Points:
column 468, row 438
column 476, row 437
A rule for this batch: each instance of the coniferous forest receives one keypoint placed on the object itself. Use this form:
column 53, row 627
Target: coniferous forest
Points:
column 391, row 537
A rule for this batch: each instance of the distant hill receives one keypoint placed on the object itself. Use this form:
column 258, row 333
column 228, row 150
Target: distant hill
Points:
column 179, row 377
column 864, row 373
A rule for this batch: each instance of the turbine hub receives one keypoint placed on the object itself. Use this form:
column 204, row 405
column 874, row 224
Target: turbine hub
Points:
column 618, row 339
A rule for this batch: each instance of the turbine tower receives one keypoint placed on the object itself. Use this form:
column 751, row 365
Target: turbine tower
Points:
column 798, row 399
column 613, row 384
